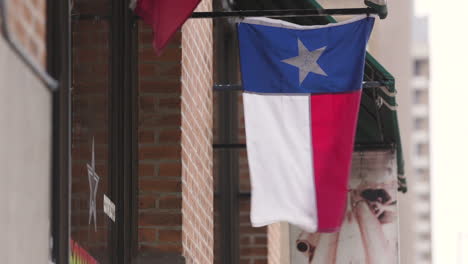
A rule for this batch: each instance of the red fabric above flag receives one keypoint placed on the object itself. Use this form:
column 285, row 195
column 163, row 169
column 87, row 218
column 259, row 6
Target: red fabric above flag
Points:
column 165, row 17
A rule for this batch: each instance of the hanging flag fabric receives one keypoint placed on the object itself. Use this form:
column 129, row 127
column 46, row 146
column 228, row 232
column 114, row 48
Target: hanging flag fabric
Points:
column 302, row 89
column 165, row 17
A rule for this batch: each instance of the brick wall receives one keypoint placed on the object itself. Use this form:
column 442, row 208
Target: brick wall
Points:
column 197, row 125
column 159, row 137
column 274, row 243
column 28, row 25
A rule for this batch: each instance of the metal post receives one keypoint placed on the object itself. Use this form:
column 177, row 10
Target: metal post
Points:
column 59, row 66
column 122, row 116
column 228, row 160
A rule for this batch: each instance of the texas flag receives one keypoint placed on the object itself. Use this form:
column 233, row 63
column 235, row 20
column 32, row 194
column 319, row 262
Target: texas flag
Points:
column 164, row 16
column 302, row 90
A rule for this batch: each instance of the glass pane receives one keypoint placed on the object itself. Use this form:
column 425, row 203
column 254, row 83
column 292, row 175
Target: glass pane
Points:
column 90, row 226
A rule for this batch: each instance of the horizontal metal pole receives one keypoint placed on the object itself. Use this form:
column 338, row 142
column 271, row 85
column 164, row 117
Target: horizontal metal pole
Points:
column 30, row 62
column 258, row 13
column 90, row 17
column 357, row 147
column 238, row 87
column 285, row 13
column 239, row 194
column 228, row 146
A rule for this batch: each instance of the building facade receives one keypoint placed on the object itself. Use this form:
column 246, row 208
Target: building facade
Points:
column 138, row 160
column 421, row 138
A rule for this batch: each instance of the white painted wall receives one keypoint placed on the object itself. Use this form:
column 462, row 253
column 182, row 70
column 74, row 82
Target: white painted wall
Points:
column 25, row 159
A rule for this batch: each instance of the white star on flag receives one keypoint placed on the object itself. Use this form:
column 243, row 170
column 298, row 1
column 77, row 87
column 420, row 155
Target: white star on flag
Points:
column 306, row 61
column 93, row 179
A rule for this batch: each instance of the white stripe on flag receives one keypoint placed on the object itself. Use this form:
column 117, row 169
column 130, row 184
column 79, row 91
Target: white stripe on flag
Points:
column 279, row 151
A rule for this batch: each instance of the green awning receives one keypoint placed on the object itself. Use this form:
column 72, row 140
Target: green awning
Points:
column 378, row 122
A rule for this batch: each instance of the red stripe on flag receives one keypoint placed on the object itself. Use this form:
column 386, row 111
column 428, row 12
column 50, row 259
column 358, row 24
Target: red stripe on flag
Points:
column 165, row 17
column 334, row 120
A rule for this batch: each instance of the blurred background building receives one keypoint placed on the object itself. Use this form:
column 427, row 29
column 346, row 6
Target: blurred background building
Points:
column 391, row 44
column 400, row 43
column 420, row 156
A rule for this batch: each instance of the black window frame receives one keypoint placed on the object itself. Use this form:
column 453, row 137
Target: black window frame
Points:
column 58, row 29
column 122, row 119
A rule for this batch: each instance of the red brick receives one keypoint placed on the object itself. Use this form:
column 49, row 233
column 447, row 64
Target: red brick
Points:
column 145, row 136
column 170, row 103
column 260, row 240
column 164, row 248
column 146, row 202
column 146, row 69
column 80, row 187
column 147, row 234
column 160, row 185
column 145, row 35
column 150, row 86
column 155, row 121
column 176, row 38
column 245, row 240
column 173, row 52
column 39, row 5
column 170, row 235
column 159, row 152
column 160, row 219
column 147, row 103
column 89, row 54
column 244, row 205
column 160, row 78
column 196, row 126
column 172, row 169
column 170, row 136
column 40, row 29
column 252, row 230
column 101, row 7
column 170, row 202
column 145, row 170
column 254, row 251
column 261, row 261
column 170, row 54
column 169, row 70
column 244, row 218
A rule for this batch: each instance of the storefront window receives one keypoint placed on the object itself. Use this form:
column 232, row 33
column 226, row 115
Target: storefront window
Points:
column 90, row 225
